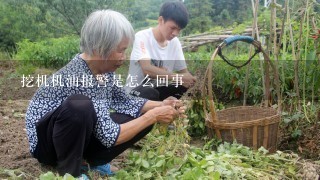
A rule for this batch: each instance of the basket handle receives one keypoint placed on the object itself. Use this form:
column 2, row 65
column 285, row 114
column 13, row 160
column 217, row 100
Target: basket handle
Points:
column 208, row 89
column 208, row 76
column 233, row 39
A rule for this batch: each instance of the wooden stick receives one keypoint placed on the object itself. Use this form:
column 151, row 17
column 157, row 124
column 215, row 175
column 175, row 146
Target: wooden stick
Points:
column 296, row 61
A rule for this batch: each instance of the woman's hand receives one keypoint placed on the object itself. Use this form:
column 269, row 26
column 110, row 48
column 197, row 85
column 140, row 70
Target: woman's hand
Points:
column 181, row 110
column 165, row 111
column 163, row 114
column 176, row 104
column 172, row 101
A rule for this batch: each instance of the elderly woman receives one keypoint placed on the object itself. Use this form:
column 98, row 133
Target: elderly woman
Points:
column 80, row 114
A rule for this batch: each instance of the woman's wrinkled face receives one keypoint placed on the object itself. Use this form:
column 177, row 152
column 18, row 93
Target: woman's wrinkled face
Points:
column 118, row 56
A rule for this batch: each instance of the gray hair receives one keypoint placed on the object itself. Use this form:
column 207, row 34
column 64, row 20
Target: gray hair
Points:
column 103, row 31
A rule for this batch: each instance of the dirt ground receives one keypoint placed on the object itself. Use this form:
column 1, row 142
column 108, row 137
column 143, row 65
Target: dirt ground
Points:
column 14, row 148
column 14, row 151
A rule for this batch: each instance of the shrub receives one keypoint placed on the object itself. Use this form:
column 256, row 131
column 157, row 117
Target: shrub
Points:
column 51, row 53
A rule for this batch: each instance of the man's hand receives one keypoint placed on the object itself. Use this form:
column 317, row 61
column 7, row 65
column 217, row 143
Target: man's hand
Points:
column 188, row 80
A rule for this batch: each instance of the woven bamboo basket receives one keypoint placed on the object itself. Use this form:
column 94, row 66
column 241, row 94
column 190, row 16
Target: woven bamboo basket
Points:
column 251, row 126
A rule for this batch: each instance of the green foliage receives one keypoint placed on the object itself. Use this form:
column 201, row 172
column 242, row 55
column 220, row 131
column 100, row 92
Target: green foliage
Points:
column 231, row 79
column 264, row 21
column 295, row 122
column 12, row 174
column 224, row 13
column 293, row 119
column 198, row 61
column 44, row 19
column 50, row 176
column 4, row 55
column 239, row 29
column 228, row 82
column 229, row 161
column 51, row 53
column 196, row 118
column 26, row 69
column 15, row 26
column 141, row 13
column 199, row 14
column 70, row 15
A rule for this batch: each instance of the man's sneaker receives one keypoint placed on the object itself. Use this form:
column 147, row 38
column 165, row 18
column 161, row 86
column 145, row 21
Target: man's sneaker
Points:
column 103, row 170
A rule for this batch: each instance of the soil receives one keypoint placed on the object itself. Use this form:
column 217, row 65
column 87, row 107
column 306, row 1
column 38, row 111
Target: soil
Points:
column 14, row 148
column 307, row 145
column 14, row 151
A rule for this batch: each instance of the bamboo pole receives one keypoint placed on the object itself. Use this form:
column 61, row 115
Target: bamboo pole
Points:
column 274, row 27
column 273, row 35
column 192, row 42
column 317, row 47
column 284, row 44
column 305, row 63
column 276, row 65
column 245, row 91
column 296, row 61
column 277, row 49
column 261, row 57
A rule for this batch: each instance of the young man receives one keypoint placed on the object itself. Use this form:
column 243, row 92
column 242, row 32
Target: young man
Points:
column 157, row 67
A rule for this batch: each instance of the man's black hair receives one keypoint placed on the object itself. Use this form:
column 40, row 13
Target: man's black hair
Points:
column 175, row 11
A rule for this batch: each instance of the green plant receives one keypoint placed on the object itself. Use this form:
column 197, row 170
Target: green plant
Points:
column 13, row 174
column 51, row 53
column 229, row 161
column 4, row 55
column 196, row 118
column 26, row 69
column 239, row 29
column 50, row 176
